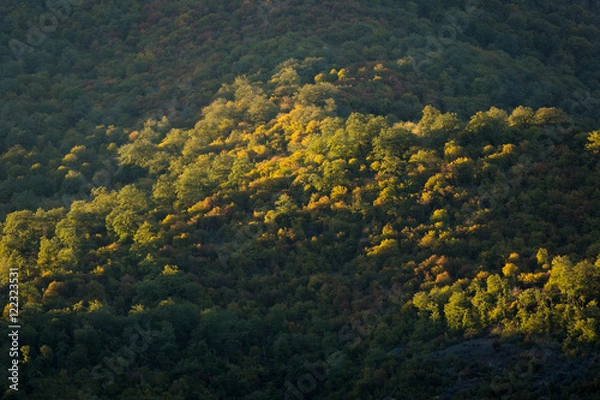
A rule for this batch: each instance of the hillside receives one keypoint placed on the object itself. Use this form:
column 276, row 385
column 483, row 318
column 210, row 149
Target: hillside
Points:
column 285, row 199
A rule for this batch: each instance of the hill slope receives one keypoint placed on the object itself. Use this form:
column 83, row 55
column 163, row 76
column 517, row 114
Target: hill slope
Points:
column 302, row 199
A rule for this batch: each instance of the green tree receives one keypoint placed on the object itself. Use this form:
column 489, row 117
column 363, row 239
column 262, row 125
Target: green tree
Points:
column 486, row 127
column 578, row 282
column 388, row 150
column 437, row 126
column 194, row 183
column 458, row 312
column 128, row 214
column 521, row 117
column 593, row 144
column 317, row 94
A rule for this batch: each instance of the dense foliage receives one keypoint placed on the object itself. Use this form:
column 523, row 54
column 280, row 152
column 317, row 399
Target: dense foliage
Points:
column 227, row 199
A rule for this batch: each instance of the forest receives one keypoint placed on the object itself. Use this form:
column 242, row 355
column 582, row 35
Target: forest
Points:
column 284, row 199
